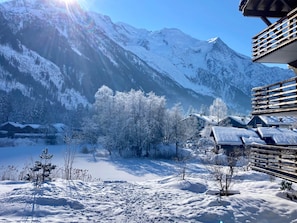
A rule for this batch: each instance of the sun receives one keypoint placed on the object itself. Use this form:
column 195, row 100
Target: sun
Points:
column 68, row 2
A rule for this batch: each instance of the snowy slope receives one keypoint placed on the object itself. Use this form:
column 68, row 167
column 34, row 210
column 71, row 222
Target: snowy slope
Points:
column 139, row 190
column 57, row 56
column 208, row 67
column 68, row 53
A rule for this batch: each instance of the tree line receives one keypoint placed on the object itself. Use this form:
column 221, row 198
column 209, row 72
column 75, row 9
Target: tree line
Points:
column 134, row 122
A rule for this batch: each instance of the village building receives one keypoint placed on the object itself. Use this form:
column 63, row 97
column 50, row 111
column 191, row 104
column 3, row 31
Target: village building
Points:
column 201, row 121
column 275, row 44
column 235, row 121
column 278, row 136
column 272, row 121
column 34, row 131
column 231, row 138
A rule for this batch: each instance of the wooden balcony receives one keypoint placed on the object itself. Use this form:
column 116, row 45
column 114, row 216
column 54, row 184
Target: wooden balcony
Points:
column 279, row 98
column 275, row 160
column 278, row 42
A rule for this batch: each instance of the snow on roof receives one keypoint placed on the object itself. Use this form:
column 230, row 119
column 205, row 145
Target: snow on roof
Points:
column 15, row 124
column 60, row 127
column 21, row 126
column 208, row 119
column 250, row 140
column 33, row 126
column 244, row 120
column 281, row 136
column 234, row 136
column 278, row 120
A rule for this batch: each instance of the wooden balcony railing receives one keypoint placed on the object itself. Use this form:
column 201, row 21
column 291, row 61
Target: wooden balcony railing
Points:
column 275, row 160
column 276, row 36
column 280, row 98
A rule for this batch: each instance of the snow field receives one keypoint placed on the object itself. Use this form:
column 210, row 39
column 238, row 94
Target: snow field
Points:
column 140, row 190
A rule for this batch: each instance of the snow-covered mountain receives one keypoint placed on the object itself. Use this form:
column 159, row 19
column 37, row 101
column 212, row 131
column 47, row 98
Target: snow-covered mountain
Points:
column 58, row 56
column 207, row 67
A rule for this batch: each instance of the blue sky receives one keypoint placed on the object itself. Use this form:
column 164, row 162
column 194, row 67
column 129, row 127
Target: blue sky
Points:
column 202, row 19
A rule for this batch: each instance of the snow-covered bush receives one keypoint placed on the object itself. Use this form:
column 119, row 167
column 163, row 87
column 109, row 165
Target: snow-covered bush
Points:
column 285, row 185
column 69, row 156
column 222, row 169
column 9, row 173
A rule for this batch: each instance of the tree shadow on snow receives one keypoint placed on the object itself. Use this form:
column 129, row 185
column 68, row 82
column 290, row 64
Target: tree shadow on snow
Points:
column 141, row 167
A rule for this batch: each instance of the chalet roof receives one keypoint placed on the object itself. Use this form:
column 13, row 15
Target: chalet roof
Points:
column 278, row 120
column 235, row 136
column 243, row 120
column 19, row 125
column 14, row 124
column 60, row 127
column 281, row 136
column 208, row 119
column 267, row 8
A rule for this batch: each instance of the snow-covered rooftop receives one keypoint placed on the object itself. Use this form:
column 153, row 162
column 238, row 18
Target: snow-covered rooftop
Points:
column 208, row 119
column 278, row 120
column 19, row 125
column 244, row 120
column 281, row 136
column 235, row 136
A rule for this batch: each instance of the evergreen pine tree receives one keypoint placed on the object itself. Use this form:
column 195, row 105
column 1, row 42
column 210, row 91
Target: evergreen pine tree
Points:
column 42, row 169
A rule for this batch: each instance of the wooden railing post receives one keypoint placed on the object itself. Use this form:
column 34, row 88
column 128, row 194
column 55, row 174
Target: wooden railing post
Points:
column 280, row 157
column 296, row 91
column 281, row 96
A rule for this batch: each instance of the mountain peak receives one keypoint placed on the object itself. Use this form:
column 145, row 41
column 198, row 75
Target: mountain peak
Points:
column 69, row 53
column 42, row 5
column 214, row 40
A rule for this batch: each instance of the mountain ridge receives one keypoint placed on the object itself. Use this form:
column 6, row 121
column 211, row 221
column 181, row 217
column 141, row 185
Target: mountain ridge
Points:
column 61, row 55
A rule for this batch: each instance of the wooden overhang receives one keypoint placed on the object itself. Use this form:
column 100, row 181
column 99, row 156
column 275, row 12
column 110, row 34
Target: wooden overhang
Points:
column 278, row 42
column 267, row 8
column 283, row 54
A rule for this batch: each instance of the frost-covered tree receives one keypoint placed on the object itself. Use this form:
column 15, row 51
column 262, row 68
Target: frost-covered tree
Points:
column 175, row 128
column 218, row 109
column 5, row 108
column 130, row 121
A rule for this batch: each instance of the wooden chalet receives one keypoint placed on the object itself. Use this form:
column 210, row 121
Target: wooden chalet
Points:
column 278, row 136
column 275, row 44
column 235, row 121
column 272, row 121
column 18, row 130
column 231, row 138
column 200, row 121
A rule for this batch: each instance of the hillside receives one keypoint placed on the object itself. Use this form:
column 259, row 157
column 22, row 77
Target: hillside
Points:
column 53, row 58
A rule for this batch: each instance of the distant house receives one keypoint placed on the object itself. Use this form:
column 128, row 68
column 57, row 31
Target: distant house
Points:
column 10, row 128
column 278, row 136
column 200, row 121
column 272, row 121
column 230, row 138
column 17, row 130
column 235, row 121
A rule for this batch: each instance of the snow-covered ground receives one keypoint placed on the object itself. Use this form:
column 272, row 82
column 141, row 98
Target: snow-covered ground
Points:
column 138, row 190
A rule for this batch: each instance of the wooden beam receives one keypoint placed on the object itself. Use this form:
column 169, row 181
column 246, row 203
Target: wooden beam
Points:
column 267, row 22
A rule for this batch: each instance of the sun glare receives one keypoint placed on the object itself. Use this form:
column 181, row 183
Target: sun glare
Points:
column 68, row 2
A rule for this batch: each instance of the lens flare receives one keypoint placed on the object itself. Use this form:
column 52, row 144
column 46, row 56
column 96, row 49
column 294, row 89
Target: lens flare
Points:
column 68, row 2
